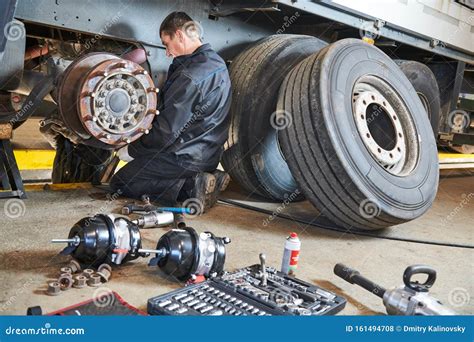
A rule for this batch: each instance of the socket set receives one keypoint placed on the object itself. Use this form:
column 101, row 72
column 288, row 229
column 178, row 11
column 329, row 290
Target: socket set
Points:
column 248, row 292
column 206, row 299
column 281, row 292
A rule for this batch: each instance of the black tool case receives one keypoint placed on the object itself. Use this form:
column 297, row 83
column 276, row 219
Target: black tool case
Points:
column 242, row 293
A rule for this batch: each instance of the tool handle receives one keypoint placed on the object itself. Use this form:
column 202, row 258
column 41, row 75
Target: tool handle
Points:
column 353, row 276
column 419, row 269
column 176, row 210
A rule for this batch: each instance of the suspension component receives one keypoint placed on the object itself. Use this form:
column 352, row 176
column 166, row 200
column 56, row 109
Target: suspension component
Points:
column 103, row 239
column 184, row 253
column 106, row 101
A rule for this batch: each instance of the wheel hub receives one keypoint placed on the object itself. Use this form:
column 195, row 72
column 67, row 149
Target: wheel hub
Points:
column 116, row 100
column 383, row 129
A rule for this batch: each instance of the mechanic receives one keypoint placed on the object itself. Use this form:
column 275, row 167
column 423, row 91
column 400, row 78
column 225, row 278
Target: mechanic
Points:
column 177, row 160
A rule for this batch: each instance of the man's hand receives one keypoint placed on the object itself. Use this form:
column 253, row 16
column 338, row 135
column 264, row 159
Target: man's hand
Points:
column 123, row 154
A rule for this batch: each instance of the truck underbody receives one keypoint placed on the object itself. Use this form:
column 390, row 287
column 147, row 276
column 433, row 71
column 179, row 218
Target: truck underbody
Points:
column 92, row 72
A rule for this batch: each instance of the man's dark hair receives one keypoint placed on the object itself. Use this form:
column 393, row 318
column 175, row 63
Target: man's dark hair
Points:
column 176, row 21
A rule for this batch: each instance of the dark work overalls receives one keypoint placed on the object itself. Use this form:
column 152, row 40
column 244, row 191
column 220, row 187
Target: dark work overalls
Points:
column 187, row 136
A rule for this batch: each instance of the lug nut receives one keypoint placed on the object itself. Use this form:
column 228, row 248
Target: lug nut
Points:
column 88, row 272
column 74, row 266
column 65, row 270
column 80, row 281
column 54, row 288
column 104, row 272
column 65, row 281
column 94, row 280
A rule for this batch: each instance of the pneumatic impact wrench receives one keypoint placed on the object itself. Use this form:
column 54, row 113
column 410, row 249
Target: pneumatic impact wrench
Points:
column 409, row 299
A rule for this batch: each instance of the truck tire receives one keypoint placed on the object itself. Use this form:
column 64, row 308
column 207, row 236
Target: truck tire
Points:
column 272, row 170
column 256, row 76
column 360, row 145
column 424, row 81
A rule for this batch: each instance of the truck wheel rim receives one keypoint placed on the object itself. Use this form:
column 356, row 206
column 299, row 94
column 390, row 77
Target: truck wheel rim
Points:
column 385, row 125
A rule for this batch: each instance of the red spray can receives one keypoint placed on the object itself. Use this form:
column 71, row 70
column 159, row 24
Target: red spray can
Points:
column 291, row 254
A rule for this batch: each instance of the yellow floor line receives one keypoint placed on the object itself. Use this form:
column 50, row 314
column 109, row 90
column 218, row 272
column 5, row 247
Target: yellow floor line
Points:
column 66, row 186
column 43, row 159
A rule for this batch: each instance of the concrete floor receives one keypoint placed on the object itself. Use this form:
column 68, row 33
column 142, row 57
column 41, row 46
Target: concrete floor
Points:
column 28, row 261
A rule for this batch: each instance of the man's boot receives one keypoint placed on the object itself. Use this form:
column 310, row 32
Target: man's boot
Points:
column 222, row 181
column 201, row 196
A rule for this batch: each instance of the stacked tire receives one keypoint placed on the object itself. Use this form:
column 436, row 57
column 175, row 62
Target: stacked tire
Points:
column 348, row 125
column 252, row 156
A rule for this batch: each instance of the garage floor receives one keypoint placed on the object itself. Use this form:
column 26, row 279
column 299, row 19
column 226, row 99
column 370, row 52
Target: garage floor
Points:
column 28, row 261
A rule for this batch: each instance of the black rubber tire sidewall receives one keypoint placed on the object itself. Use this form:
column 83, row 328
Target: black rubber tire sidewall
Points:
column 352, row 174
column 256, row 75
column 424, row 81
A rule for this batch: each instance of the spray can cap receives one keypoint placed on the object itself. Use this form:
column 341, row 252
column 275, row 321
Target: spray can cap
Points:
column 293, row 235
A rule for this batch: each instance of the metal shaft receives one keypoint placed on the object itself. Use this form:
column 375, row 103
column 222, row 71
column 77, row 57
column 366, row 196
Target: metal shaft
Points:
column 63, row 240
column 352, row 276
column 264, row 270
column 159, row 252
column 76, row 240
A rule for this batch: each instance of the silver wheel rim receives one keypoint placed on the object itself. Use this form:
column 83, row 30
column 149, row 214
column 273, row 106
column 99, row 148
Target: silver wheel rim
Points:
column 385, row 125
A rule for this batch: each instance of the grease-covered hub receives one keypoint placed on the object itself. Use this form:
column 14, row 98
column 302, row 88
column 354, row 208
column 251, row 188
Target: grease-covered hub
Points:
column 116, row 100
